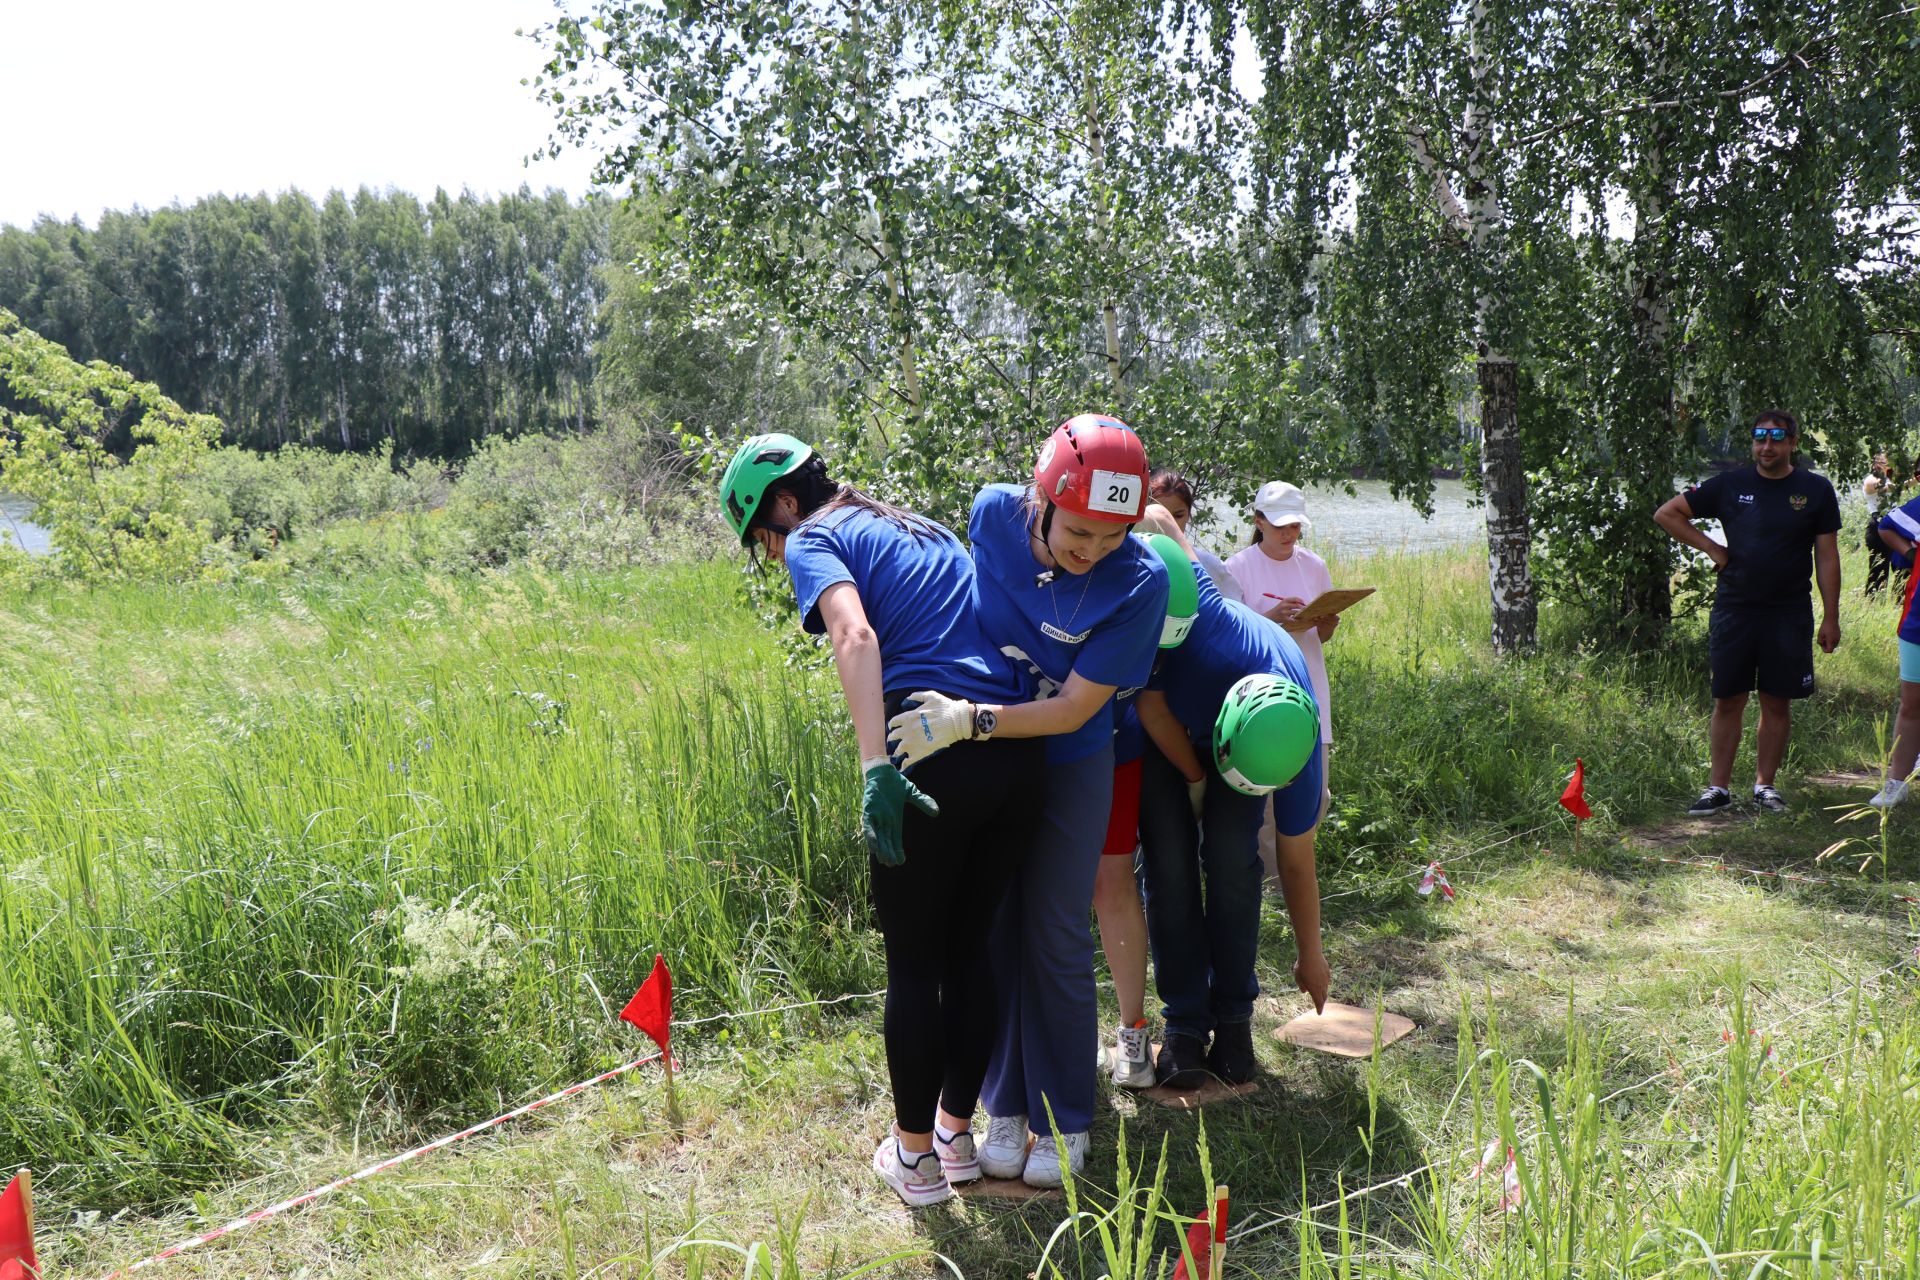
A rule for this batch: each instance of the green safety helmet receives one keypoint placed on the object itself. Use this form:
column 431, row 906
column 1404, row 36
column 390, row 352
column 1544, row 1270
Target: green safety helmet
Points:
column 756, row 466
column 1183, row 590
column 1265, row 734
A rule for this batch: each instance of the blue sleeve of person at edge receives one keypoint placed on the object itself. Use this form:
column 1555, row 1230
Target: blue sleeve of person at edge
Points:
column 1905, row 521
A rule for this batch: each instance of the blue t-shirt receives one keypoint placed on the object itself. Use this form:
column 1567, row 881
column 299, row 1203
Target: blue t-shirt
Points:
column 1104, row 623
column 1905, row 521
column 918, row 593
column 1228, row 641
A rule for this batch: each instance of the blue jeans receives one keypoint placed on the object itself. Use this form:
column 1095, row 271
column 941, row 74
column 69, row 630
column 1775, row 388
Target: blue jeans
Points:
column 1203, row 943
column 1041, row 951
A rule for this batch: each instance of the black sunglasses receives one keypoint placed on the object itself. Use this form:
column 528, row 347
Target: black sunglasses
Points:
column 1771, row 433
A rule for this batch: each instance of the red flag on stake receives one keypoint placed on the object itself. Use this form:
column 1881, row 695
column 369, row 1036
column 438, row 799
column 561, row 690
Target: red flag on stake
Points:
column 1206, row 1241
column 1574, row 798
column 17, row 1260
column 651, row 1008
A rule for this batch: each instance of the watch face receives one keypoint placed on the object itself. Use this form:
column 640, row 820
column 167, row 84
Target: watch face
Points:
column 984, row 723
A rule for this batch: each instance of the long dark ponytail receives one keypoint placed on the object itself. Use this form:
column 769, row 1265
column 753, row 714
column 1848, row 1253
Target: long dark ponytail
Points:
column 818, row 493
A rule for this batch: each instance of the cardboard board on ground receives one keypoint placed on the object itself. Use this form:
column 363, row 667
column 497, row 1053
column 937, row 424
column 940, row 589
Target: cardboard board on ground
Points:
column 1345, row 1030
column 1327, row 604
column 1003, row 1188
column 1214, row 1090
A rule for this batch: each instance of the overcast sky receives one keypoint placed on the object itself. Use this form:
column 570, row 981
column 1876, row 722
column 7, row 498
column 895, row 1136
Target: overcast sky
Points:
column 113, row 103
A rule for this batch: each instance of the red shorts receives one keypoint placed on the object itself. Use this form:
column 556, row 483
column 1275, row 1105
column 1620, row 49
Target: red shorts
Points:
column 1123, row 820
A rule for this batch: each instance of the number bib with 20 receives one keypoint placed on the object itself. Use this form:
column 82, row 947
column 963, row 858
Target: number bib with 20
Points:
column 1116, row 493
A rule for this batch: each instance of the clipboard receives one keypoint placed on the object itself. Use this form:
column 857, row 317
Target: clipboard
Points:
column 1326, row 605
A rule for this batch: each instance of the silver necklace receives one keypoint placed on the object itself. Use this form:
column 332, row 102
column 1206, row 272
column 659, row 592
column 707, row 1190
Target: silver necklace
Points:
column 1049, row 578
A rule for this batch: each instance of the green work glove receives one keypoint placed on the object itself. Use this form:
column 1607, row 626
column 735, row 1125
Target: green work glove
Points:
column 883, row 809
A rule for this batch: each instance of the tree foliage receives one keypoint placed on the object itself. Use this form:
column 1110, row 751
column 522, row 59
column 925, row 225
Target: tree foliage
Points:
column 358, row 320
column 111, row 518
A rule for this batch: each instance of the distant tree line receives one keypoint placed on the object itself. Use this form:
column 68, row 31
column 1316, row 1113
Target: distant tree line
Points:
column 350, row 322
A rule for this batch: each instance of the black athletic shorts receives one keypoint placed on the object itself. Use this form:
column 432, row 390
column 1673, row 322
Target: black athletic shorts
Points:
column 1771, row 648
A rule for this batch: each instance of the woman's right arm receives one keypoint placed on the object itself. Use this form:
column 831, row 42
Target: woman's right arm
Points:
column 1168, row 734
column 1077, row 702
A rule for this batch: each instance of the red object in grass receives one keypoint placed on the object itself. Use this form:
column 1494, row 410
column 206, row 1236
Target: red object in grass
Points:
column 651, row 1008
column 16, row 1229
column 1574, row 798
column 1206, row 1241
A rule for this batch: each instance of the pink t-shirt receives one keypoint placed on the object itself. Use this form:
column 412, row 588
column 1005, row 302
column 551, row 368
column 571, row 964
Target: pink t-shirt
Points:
column 1302, row 575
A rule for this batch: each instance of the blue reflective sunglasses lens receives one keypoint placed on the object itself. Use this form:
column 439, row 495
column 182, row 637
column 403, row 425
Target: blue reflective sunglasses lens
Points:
column 1769, row 433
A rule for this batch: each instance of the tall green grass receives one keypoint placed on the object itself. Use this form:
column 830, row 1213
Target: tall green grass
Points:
column 388, row 848
column 399, row 844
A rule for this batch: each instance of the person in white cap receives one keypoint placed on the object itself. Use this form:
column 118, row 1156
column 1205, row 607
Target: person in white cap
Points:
column 1279, row 577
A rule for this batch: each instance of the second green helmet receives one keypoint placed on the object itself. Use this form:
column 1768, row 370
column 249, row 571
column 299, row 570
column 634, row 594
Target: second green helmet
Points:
column 1265, row 734
column 756, row 465
column 1183, row 589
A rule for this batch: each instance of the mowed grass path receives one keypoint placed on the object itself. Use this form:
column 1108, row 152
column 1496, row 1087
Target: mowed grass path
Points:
column 294, row 876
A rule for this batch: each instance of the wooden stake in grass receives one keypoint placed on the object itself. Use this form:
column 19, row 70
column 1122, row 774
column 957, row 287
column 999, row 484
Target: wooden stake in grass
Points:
column 1217, row 1256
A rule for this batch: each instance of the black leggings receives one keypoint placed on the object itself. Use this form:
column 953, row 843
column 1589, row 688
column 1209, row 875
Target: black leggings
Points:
column 940, row 1005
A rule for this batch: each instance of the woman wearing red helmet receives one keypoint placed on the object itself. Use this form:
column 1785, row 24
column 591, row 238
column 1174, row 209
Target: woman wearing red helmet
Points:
column 1068, row 595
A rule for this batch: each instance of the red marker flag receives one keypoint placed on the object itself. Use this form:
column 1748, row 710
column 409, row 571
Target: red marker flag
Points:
column 17, row 1260
column 1206, row 1241
column 1574, row 798
column 651, row 1008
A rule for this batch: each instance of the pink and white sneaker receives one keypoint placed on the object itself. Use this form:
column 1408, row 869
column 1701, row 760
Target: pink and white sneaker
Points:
column 920, row 1183
column 959, row 1160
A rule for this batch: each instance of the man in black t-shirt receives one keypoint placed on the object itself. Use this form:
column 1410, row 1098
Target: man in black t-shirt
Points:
column 1781, row 523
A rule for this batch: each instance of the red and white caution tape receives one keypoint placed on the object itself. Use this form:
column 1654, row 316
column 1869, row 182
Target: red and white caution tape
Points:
column 261, row 1215
column 1435, row 879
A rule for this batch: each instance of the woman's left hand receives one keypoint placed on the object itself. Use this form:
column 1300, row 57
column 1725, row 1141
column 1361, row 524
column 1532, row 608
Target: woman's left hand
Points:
column 1326, row 626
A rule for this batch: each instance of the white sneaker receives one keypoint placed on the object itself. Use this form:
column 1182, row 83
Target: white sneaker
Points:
column 919, row 1183
column 1043, row 1166
column 1004, row 1153
column 1132, row 1059
column 1891, row 794
column 958, row 1160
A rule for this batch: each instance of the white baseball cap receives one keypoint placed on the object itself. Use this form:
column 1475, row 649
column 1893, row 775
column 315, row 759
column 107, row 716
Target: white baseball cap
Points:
column 1283, row 503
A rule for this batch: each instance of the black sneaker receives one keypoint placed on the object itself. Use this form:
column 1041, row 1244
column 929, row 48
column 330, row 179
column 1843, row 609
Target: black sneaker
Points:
column 1181, row 1064
column 1231, row 1057
column 1711, row 801
column 1767, row 798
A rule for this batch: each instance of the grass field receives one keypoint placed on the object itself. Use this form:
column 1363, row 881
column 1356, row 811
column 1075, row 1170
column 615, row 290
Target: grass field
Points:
column 293, row 875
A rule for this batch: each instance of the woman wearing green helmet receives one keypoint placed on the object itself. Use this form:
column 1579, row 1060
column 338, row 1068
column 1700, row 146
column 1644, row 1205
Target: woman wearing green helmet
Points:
column 894, row 593
column 1232, row 721
column 1116, row 888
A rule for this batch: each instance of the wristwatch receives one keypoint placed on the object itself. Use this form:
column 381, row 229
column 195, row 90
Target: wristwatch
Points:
column 985, row 721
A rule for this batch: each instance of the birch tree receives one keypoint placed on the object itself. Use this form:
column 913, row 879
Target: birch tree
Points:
column 1418, row 104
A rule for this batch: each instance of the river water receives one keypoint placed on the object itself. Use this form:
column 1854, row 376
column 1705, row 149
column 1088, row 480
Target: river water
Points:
column 1368, row 520
column 16, row 529
column 1355, row 524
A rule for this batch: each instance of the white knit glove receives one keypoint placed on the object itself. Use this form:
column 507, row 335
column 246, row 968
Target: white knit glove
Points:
column 931, row 723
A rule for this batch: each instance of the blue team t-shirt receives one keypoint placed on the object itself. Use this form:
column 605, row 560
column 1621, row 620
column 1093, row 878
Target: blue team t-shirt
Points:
column 1104, row 623
column 919, row 597
column 1228, row 641
column 1905, row 521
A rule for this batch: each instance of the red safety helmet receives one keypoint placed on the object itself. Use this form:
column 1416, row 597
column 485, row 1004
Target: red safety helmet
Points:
column 1094, row 466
